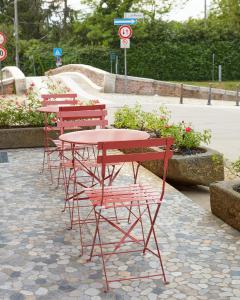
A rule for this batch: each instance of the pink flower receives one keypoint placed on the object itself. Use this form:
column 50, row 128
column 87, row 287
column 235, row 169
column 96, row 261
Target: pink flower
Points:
column 32, row 84
column 188, row 129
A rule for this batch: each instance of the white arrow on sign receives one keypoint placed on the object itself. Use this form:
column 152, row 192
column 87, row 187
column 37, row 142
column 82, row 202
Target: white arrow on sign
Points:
column 125, row 43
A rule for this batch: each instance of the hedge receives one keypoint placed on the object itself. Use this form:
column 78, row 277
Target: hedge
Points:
column 159, row 60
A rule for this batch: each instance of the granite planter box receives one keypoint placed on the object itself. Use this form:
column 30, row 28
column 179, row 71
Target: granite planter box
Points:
column 198, row 169
column 22, row 137
column 225, row 202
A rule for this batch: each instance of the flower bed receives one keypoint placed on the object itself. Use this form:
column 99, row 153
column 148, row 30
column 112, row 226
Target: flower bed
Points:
column 21, row 125
column 191, row 164
column 157, row 123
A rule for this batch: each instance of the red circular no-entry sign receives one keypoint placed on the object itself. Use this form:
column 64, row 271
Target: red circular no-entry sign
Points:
column 125, row 32
column 3, row 53
column 2, row 39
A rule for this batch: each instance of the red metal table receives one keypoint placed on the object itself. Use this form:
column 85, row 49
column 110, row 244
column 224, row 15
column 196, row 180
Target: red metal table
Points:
column 95, row 136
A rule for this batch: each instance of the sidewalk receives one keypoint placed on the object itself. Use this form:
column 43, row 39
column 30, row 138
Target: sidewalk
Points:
column 39, row 258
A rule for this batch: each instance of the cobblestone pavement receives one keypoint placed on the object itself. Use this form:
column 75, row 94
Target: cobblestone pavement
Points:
column 39, row 257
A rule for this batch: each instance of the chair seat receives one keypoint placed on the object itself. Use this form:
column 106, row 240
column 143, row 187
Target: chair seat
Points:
column 127, row 196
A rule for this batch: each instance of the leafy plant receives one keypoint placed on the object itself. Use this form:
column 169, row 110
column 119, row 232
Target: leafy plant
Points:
column 14, row 113
column 158, row 123
column 186, row 137
column 235, row 167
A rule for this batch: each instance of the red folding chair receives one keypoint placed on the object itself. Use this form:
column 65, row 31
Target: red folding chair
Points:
column 75, row 176
column 140, row 200
column 72, row 118
column 53, row 100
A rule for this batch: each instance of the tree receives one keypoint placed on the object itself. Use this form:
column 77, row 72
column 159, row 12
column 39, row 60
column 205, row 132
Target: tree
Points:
column 228, row 13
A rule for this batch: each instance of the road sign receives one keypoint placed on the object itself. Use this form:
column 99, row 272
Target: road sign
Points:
column 57, row 51
column 133, row 15
column 125, row 43
column 2, row 39
column 58, row 61
column 125, row 32
column 125, row 21
column 3, row 53
column 113, row 55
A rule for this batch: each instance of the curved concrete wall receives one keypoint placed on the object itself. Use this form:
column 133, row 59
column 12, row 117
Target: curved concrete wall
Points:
column 99, row 77
column 111, row 83
column 17, row 75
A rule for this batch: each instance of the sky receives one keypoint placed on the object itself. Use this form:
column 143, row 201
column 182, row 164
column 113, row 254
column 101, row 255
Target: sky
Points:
column 194, row 9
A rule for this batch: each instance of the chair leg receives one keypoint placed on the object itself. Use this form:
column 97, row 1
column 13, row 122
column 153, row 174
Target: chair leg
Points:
column 98, row 216
column 156, row 244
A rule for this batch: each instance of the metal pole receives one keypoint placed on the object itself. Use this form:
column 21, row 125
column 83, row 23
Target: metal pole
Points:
column 220, row 73
column 237, row 96
column 209, row 95
column 181, row 93
column 116, row 65
column 205, row 10
column 34, row 67
column 125, row 69
column 16, row 32
column 2, row 90
column 213, row 66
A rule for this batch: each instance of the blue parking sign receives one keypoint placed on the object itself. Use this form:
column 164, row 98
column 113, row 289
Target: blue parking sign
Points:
column 57, row 51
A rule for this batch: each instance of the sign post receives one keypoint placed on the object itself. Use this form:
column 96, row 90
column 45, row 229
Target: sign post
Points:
column 3, row 55
column 125, row 33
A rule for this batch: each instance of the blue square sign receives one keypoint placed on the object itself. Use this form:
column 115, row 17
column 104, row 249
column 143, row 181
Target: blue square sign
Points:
column 57, row 51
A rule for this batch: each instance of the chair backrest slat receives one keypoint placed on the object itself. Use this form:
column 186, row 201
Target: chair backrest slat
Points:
column 53, row 99
column 140, row 155
column 59, row 96
column 70, row 117
column 154, row 142
column 82, row 123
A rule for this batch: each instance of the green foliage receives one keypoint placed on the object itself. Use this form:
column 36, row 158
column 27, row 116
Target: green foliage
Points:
column 186, row 137
column 13, row 113
column 235, row 167
column 159, row 49
column 158, row 123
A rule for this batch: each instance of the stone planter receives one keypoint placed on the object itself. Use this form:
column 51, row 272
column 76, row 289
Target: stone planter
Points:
column 22, row 137
column 225, row 202
column 199, row 169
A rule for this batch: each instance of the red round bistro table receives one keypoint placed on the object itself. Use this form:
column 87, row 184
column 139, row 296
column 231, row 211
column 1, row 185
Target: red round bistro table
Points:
column 95, row 136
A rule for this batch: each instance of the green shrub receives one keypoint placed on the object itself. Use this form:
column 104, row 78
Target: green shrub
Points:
column 158, row 123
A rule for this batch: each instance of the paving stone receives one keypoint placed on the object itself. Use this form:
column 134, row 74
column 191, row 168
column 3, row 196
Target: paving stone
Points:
column 39, row 257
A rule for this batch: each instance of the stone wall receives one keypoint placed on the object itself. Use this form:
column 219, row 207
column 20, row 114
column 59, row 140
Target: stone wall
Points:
column 145, row 86
column 112, row 83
